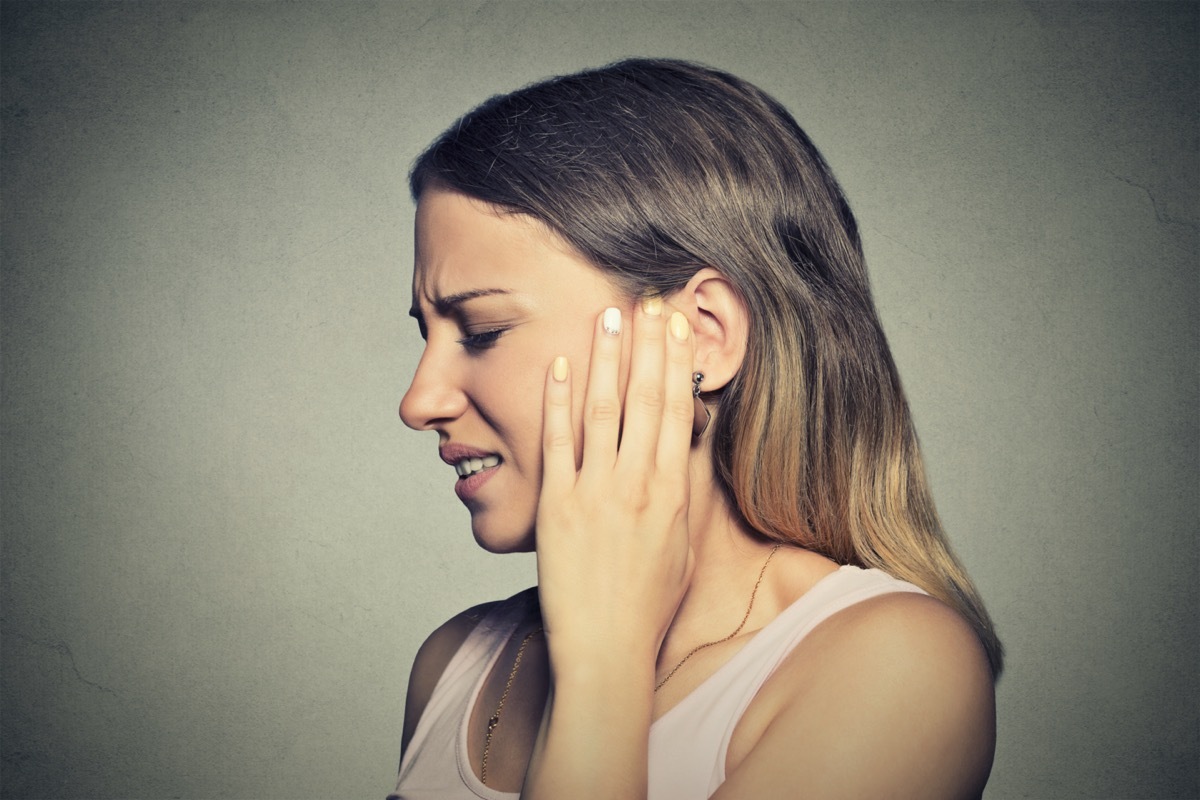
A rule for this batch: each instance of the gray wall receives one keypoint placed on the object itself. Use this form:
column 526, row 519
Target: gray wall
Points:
column 220, row 546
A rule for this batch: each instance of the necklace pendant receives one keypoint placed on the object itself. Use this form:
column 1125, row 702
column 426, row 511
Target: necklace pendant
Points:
column 493, row 722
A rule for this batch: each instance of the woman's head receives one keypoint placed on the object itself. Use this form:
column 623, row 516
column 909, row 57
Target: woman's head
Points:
column 653, row 170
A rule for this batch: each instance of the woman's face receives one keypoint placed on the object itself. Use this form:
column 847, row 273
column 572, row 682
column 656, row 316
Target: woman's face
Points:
column 497, row 296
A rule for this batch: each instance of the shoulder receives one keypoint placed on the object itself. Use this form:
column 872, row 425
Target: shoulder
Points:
column 435, row 654
column 892, row 695
column 901, row 631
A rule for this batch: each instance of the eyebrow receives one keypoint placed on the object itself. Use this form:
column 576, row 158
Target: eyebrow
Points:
column 445, row 306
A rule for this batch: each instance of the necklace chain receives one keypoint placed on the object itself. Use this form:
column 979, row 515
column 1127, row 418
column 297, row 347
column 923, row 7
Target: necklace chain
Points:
column 742, row 624
column 494, row 721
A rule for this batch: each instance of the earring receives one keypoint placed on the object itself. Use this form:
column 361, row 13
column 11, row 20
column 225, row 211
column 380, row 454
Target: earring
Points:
column 702, row 415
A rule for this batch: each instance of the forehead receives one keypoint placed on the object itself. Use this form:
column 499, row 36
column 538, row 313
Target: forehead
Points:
column 464, row 244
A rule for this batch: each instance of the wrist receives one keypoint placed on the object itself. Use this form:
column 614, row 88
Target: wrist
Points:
column 606, row 673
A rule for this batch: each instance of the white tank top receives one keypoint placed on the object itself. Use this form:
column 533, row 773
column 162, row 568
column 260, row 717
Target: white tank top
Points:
column 687, row 744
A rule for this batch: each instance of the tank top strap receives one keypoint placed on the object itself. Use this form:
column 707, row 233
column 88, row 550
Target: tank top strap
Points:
column 688, row 744
column 435, row 763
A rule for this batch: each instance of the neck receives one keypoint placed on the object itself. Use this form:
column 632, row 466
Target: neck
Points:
column 728, row 560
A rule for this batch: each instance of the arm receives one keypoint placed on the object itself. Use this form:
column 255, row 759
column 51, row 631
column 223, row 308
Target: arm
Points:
column 594, row 737
column 890, row 698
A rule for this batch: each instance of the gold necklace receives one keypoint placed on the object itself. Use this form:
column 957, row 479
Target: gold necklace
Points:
column 736, row 631
column 494, row 721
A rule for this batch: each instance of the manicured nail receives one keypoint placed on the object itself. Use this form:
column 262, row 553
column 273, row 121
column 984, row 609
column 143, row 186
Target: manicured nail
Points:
column 612, row 321
column 652, row 306
column 679, row 326
column 559, row 370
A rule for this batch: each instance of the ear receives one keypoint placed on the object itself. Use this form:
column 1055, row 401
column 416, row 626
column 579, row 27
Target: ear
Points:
column 720, row 324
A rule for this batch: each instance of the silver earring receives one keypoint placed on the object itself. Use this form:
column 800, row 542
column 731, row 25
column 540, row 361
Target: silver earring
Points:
column 702, row 415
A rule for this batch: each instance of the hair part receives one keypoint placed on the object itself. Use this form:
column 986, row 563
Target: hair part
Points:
column 652, row 169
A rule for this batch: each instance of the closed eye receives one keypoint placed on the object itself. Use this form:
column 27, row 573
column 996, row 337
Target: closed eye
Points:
column 483, row 340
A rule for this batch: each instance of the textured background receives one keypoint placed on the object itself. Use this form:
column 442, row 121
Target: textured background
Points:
column 220, row 546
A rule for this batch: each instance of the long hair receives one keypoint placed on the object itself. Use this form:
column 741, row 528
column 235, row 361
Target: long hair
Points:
column 652, row 169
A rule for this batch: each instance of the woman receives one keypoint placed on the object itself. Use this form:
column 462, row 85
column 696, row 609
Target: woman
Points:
column 652, row 356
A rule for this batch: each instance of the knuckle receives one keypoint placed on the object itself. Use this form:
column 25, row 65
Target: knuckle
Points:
column 603, row 411
column 653, row 339
column 680, row 410
column 649, row 397
column 637, row 495
column 606, row 355
column 553, row 440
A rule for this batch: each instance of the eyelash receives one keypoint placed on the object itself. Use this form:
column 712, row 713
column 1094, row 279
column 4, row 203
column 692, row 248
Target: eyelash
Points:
column 478, row 342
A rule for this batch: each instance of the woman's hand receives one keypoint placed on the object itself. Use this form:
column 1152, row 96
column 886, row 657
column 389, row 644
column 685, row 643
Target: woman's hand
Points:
column 613, row 552
column 614, row 557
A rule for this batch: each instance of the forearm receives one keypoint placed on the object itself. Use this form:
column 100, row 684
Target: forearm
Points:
column 595, row 736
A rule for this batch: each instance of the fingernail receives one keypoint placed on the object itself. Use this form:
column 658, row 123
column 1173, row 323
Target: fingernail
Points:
column 559, row 370
column 652, row 306
column 612, row 321
column 679, row 326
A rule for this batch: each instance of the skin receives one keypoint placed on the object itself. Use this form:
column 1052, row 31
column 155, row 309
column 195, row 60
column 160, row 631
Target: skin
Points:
column 486, row 394
column 889, row 698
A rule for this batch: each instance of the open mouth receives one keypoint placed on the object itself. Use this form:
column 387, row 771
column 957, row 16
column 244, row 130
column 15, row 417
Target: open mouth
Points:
column 469, row 466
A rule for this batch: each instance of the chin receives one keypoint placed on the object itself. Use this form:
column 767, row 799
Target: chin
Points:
column 498, row 539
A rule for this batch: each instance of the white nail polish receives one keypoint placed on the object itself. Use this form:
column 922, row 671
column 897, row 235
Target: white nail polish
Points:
column 612, row 321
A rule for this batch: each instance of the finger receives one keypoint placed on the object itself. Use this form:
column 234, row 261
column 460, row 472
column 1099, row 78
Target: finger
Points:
column 558, row 434
column 644, row 394
column 675, row 437
column 602, row 403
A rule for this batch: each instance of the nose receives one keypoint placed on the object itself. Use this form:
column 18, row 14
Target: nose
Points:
column 433, row 398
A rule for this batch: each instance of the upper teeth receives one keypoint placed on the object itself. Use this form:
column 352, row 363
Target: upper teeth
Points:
column 469, row 466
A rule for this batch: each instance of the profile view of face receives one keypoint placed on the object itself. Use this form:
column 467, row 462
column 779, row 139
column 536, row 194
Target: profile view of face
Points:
column 497, row 296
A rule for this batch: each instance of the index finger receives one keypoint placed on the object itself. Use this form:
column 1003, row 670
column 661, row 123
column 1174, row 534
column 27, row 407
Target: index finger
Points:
column 558, row 434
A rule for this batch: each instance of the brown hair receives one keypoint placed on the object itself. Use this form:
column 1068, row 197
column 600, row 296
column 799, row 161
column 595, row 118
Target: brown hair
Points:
column 652, row 169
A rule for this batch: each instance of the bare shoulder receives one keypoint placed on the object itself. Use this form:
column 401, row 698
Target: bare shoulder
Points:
column 901, row 635
column 433, row 657
column 889, row 697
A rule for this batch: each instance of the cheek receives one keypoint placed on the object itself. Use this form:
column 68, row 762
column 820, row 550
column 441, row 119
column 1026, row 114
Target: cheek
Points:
column 510, row 393
column 523, row 400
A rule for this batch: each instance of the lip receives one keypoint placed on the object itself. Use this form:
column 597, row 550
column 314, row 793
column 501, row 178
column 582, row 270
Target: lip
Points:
column 467, row 488
column 454, row 453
